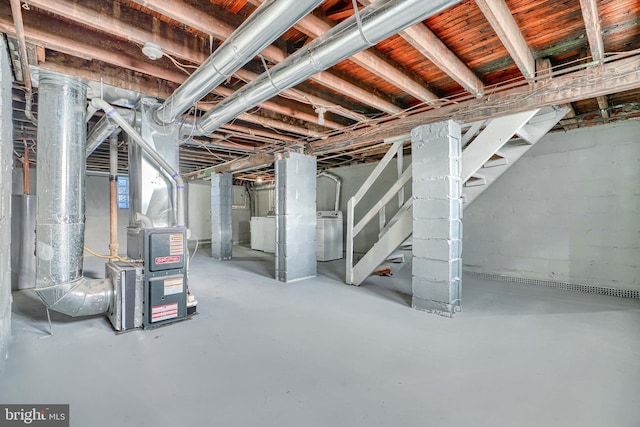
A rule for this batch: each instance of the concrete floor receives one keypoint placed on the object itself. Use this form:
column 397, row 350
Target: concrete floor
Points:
column 320, row 353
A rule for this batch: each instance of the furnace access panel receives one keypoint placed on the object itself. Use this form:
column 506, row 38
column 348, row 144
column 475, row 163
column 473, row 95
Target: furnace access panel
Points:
column 165, row 284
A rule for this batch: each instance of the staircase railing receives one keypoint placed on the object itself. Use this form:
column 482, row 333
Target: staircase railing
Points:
column 489, row 151
column 379, row 209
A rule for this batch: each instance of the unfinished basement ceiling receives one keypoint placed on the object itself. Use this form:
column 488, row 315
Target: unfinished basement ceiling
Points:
column 474, row 60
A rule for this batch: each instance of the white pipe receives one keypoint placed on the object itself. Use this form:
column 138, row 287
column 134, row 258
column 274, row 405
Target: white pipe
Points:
column 104, row 129
column 153, row 154
column 338, row 182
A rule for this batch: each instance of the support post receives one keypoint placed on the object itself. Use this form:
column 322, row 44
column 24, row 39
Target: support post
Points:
column 6, row 169
column 221, row 221
column 437, row 217
column 295, row 217
column 113, row 199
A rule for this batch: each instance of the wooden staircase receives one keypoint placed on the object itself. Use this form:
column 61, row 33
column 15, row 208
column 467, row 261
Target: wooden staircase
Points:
column 490, row 147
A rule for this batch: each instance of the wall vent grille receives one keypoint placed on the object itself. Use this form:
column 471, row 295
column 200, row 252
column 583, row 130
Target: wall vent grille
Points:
column 591, row 289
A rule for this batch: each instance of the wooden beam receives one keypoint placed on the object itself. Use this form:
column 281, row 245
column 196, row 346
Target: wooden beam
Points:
column 285, row 110
column 110, row 25
column 306, row 98
column 257, row 132
column 77, row 48
column 592, row 26
column 499, row 16
column 108, row 74
column 247, row 163
column 596, row 43
column 614, row 76
column 431, row 47
column 201, row 21
column 314, row 27
column 117, row 28
column 544, row 72
column 603, row 104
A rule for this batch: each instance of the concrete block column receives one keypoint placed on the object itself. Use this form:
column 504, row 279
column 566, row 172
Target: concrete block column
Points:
column 221, row 219
column 295, row 217
column 6, row 166
column 437, row 217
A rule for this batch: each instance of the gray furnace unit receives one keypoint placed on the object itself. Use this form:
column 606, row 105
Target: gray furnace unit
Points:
column 152, row 291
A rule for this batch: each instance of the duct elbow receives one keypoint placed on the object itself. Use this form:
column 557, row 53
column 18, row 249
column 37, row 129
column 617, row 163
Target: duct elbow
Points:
column 82, row 297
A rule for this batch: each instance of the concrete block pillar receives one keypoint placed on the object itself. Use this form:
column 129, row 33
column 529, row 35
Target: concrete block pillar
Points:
column 437, row 217
column 6, row 166
column 295, row 217
column 221, row 222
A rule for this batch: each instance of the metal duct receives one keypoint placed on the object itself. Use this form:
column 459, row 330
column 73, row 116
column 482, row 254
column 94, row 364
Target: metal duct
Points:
column 104, row 129
column 378, row 21
column 338, row 182
column 149, row 151
column 61, row 201
column 265, row 25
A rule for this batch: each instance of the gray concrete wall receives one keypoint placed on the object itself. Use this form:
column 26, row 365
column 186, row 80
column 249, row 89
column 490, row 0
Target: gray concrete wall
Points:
column 199, row 209
column 569, row 211
column 6, row 161
column 96, row 235
column 241, row 216
column 264, row 199
column 200, row 212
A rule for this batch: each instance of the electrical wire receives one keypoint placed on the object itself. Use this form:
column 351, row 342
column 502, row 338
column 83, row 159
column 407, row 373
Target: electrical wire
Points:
column 117, row 258
column 181, row 66
column 195, row 249
column 356, row 11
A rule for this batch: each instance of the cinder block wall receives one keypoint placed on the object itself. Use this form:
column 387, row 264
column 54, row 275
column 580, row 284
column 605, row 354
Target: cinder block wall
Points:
column 569, row 211
column 6, row 157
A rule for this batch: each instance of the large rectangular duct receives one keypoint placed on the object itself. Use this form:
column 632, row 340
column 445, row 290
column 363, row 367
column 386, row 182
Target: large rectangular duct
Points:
column 151, row 189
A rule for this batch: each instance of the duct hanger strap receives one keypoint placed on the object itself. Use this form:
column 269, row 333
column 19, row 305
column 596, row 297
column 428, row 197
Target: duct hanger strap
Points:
column 356, row 12
column 264, row 64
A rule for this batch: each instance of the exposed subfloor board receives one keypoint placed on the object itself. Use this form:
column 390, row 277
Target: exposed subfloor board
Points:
column 319, row 353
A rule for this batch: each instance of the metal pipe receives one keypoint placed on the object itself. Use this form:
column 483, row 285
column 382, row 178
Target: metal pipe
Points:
column 144, row 220
column 264, row 26
column 104, row 129
column 61, row 201
column 376, row 22
column 338, row 182
column 153, row 154
column 16, row 11
column 25, row 170
column 90, row 112
column 113, row 189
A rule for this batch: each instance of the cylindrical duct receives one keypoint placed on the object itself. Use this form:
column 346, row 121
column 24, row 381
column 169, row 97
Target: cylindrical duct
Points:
column 61, row 200
column 103, row 129
column 266, row 24
column 377, row 22
column 23, row 239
